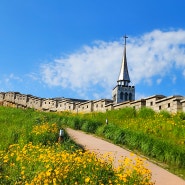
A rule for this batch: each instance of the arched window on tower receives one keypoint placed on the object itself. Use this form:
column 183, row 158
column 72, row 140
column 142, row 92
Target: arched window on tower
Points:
column 126, row 96
column 121, row 96
column 130, row 96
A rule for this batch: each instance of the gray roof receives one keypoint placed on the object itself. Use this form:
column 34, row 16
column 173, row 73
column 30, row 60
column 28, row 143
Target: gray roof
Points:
column 124, row 76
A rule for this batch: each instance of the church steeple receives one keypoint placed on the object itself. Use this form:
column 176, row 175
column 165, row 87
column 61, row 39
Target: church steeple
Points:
column 123, row 91
column 124, row 78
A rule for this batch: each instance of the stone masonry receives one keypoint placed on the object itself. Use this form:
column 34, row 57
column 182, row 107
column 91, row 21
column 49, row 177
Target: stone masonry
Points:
column 158, row 103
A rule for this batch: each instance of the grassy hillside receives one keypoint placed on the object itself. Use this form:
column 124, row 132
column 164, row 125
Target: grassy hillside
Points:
column 160, row 136
column 30, row 153
column 16, row 125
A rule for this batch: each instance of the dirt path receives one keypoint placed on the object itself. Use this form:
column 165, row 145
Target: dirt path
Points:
column 89, row 142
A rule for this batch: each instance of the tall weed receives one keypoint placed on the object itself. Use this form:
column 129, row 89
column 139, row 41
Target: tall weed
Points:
column 145, row 112
column 90, row 126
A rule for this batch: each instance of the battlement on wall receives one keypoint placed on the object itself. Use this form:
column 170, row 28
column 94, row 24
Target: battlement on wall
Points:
column 172, row 104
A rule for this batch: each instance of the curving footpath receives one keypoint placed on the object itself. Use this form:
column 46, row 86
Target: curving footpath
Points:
column 159, row 175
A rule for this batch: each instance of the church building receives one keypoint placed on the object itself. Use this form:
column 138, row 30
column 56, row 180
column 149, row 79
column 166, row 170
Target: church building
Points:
column 123, row 91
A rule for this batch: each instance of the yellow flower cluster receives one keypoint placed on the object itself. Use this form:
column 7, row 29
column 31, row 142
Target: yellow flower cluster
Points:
column 129, row 168
column 36, row 165
column 45, row 128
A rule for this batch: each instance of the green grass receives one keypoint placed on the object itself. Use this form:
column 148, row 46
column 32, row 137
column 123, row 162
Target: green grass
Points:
column 159, row 136
column 16, row 126
column 30, row 153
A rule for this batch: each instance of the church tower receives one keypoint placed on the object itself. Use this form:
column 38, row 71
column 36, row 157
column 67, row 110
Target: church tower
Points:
column 123, row 91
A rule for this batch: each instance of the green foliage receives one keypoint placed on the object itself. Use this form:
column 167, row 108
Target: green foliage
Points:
column 146, row 113
column 16, row 125
column 126, row 113
column 90, row 125
column 156, row 135
column 30, row 153
column 74, row 122
column 109, row 131
column 181, row 115
column 165, row 114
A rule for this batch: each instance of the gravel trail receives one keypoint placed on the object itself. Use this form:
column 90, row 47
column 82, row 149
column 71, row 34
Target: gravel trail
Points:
column 92, row 143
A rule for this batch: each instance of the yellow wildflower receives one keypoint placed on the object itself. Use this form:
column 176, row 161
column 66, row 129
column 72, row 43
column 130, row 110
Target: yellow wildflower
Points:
column 87, row 179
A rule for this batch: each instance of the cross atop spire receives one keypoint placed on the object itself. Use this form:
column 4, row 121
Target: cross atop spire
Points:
column 125, row 37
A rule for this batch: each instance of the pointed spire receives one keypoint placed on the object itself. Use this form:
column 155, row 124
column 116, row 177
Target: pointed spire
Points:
column 124, row 78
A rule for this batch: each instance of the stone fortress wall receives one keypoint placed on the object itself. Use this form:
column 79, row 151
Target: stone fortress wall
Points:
column 172, row 104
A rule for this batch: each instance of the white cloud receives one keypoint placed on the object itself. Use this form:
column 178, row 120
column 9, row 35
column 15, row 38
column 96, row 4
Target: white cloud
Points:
column 94, row 69
column 159, row 81
column 156, row 53
column 9, row 81
column 12, row 77
column 81, row 71
column 33, row 76
column 174, row 78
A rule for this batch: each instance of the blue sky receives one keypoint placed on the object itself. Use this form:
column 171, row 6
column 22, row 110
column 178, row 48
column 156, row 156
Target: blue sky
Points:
column 68, row 48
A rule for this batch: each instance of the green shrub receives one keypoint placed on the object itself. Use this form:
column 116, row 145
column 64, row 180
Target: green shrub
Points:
column 165, row 114
column 146, row 113
column 109, row 131
column 119, row 136
column 131, row 139
column 75, row 123
column 100, row 130
column 90, row 126
column 181, row 115
column 127, row 113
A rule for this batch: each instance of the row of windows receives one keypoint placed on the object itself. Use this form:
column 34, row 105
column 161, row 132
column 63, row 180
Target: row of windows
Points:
column 61, row 104
column 168, row 106
column 151, row 103
column 49, row 103
column 126, row 96
column 65, row 106
column 33, row 102
column 20, row 98
column 9, row 95
column 96, row 106
column 84, row 107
